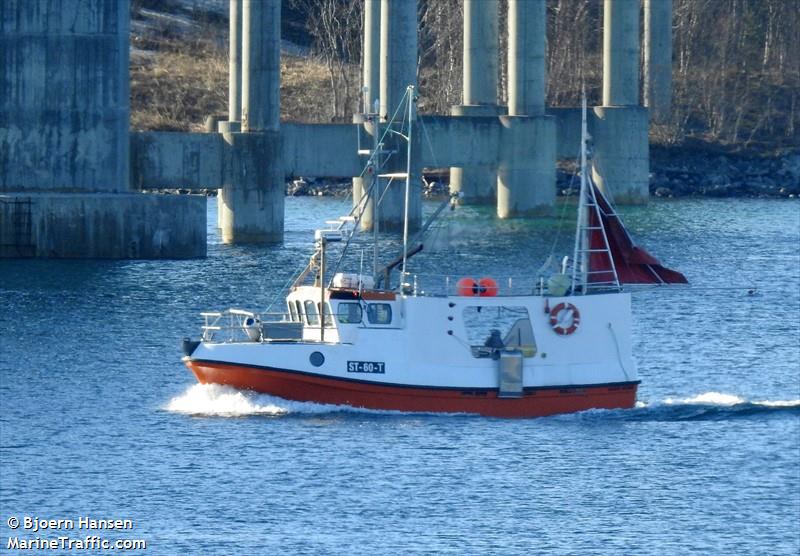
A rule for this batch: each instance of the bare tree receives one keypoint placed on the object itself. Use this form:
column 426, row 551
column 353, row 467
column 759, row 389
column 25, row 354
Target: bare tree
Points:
column 574, row 57
column 440, row 44
column 335, row 27
column 738, row 68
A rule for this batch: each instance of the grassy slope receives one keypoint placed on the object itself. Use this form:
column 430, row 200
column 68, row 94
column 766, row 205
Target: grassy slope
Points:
column 180, row 75
column 182, row 78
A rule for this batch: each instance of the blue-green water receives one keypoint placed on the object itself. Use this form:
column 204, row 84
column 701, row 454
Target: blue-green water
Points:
column 99, row 418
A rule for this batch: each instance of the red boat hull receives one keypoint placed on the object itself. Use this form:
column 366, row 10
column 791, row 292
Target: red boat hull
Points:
column 536, row 402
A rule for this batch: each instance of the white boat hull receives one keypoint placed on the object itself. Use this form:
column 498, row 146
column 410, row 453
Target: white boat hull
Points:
column 424, row 361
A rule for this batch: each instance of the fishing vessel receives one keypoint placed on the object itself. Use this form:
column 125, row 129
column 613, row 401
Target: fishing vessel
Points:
column 552, row 344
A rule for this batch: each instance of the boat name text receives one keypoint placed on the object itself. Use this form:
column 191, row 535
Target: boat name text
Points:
column 375, row 367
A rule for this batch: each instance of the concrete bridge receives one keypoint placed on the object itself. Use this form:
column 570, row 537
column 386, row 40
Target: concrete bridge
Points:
column 71, row 171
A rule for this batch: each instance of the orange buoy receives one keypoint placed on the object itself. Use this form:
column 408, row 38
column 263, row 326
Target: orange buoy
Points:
column 487, row 287
column 467, row 286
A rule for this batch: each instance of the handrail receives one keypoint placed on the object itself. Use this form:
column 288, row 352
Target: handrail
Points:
column 236, row 324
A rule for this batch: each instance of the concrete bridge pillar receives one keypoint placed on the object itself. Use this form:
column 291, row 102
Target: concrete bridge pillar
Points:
column 621, row 157
column 621, row 53
column 371, row 70
column 621, row 129
column 261, row 65
column 252, row 200
column 658, row 59
column 479, row 94
column 527, row 175
column 527, row 36
column 398, row 71
column 371, row 88
column 526, row 178
column 234, row 68
column 65, row 144
column 234, row 122
column 480, row 52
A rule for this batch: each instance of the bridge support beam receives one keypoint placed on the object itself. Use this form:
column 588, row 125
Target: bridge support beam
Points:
column 621, row 128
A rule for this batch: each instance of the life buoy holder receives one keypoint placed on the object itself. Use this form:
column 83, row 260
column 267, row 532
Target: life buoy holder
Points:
column 565, row 318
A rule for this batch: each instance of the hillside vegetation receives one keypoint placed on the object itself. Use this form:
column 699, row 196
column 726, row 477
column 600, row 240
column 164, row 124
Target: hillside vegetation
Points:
column 736, row 67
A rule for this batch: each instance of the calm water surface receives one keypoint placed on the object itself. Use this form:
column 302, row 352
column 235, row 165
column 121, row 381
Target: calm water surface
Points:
column 99, row 418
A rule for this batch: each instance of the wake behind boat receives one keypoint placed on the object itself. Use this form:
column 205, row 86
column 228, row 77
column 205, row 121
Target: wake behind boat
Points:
column 483, row 347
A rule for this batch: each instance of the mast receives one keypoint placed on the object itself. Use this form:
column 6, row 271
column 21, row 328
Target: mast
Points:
column 410, row 93
column 585, row 234
column 322, row 288
column 580, row 257
column 375, row 188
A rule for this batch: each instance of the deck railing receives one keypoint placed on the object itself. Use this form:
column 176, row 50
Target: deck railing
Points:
column 499, row 286
column 442, row 284
column 236, row 325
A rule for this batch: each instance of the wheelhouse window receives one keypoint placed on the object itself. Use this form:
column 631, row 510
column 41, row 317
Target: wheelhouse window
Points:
column 312, row 316
column 379, row 313
column 293, row 316
column 349, row 313
column 328, row 313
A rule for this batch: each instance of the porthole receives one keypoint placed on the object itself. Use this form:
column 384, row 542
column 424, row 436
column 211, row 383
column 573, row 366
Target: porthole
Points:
column 317, row 359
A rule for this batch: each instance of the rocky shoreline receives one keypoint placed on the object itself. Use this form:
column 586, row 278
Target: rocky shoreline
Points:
column 674, row 172
column 691, row 172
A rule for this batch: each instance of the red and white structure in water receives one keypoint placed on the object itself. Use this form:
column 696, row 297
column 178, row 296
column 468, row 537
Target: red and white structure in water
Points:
column 564, row 346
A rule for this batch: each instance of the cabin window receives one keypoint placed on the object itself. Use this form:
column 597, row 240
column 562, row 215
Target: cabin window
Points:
column 349, row 313
column 490, row 328
column 379, row 313
column 328, row 313
column 293, row 316
column 299, row 307
column 312, row 316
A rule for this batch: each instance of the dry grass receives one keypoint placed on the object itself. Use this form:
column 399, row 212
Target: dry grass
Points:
column 305, row 90
column 176, row 84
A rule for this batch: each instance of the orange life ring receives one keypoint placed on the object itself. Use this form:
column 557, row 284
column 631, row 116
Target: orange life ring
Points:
column 565, row 312
column 467, row 286
column 487, row 287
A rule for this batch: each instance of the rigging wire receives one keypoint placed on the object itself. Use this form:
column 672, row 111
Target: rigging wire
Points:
column 562, row 216
column 358, row 208
column 353, row 234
